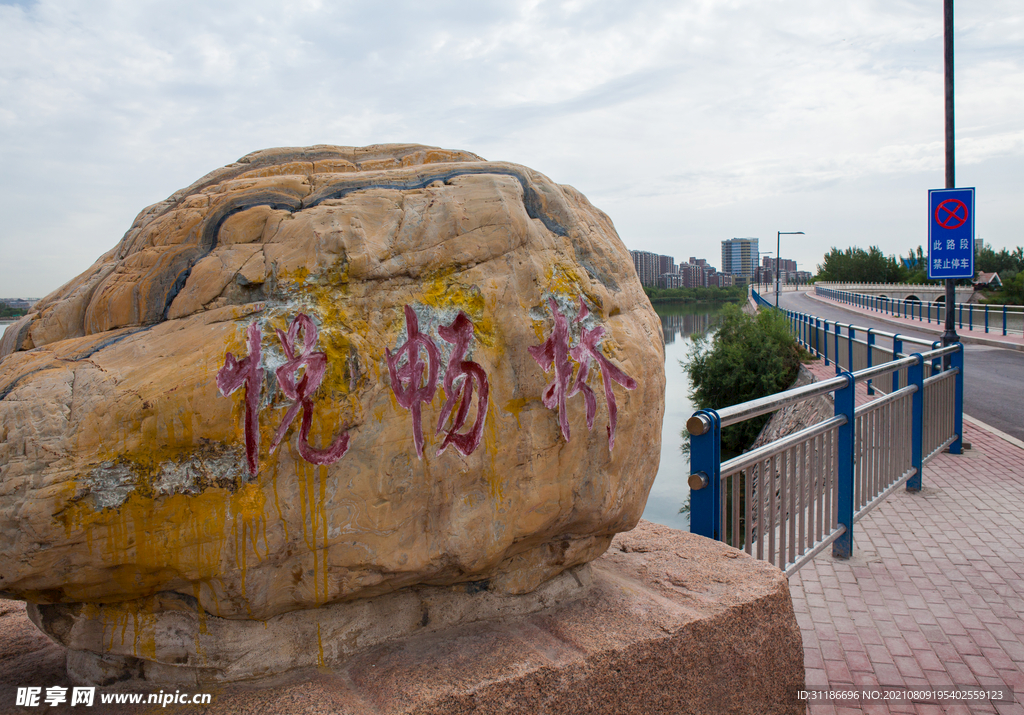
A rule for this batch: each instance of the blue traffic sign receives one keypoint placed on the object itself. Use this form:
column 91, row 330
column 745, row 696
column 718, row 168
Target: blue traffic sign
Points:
column 951, row 233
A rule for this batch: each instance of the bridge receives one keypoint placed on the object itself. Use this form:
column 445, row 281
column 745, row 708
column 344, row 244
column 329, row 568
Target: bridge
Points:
column 932, row 593
column 902, row 291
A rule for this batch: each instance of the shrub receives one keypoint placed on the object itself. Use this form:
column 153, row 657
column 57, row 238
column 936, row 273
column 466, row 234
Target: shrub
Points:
column 746, row 358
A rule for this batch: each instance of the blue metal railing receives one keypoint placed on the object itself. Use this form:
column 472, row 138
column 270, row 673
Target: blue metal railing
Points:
column 787, row 500
column 1008, row 318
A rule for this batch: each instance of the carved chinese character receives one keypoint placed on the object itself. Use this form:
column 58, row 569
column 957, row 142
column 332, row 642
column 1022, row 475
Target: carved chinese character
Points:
column 556, row 352
column 313, row 366
column 459, row 380
column 411, row 386
column 248, row 373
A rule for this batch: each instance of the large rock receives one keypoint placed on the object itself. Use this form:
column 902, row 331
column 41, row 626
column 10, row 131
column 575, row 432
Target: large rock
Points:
column 324, row 374
column 669, row 622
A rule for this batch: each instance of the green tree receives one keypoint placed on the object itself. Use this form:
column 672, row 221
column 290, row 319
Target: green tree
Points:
column 746, row 358
column 855, row 265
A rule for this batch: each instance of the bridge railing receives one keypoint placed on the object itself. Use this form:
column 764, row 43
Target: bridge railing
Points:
column 788, row 500
column 1009, row 319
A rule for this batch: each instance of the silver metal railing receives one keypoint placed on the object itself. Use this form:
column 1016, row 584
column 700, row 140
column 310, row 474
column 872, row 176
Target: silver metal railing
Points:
column 786, row 501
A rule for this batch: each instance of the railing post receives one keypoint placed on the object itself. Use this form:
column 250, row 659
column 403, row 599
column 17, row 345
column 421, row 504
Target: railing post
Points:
column 956, row 447
column 915, row 376
column 871, row 350
column 1004, row 320
column 845, row 402
column 836, row 361
column 705, row 474
column 826, row 340
column 897, row 348
column 970, row 316
column 850, row 332
column 986, row 317
column 936, row 362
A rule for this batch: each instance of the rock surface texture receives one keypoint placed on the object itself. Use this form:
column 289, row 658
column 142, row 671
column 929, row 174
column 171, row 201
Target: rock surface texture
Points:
column 669, row 623
column 324, row 374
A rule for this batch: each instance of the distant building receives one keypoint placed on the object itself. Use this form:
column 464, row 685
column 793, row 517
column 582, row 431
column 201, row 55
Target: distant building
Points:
column 785, row 264
column 647, row 267
column 670, row 280
column 987, row 280
column 739, row 258
column 16, row 303
column 666, row 264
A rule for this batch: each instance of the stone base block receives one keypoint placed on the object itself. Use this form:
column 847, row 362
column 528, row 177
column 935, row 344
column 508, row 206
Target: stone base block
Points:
column 668, row 623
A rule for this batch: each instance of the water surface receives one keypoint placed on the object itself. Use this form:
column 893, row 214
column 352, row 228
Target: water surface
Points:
column 678, row 322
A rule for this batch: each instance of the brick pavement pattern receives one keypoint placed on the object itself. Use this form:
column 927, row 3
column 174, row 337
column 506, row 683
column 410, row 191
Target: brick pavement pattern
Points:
column 934, row 594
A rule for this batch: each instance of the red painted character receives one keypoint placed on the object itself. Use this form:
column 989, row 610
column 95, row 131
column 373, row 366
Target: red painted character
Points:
column 465, row 374
column 555, row 351
column 301, row 390
column 407, row 382
column 247, row 372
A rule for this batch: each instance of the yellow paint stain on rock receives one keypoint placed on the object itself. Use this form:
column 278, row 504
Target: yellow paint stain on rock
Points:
column 148, row 540
column 515, row 406
column 495, row 483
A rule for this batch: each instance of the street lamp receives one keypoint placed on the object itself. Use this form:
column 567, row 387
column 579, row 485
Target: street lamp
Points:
column 758, row 269
column 778, row 259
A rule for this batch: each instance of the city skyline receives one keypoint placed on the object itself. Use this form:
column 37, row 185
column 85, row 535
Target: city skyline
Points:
column 678, row 121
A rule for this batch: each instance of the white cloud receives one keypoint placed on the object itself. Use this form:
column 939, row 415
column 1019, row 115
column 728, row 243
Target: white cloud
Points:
column 687, row 122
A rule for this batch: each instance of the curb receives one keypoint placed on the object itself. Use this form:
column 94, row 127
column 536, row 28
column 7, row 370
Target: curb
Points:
column 998, row 433
column 966, row 339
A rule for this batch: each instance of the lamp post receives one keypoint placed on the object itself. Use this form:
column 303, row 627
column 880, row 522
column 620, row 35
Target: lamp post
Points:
column 949, row 335
column 778, row 259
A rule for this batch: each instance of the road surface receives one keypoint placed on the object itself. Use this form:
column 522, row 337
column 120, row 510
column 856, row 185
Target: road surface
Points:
column 993, row 377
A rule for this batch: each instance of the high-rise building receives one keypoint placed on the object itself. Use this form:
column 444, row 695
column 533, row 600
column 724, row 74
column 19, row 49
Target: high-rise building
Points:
column 786, row 264
column 666, row 264
column 648, row 267
column 739, row 257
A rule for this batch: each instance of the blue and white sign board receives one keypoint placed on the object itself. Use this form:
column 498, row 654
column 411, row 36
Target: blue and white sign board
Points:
column 951, row 233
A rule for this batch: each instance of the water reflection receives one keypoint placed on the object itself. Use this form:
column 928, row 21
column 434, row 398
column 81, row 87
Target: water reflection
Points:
column 670, row 492
column 686, row 325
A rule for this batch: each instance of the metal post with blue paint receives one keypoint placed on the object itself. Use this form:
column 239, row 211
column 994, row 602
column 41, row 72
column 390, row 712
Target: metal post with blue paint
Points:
column 871, row 350
column 846, row 440
column 850, row 332
column 957, row 446
column 838, row 331
column 705, row 474
column 897, row 348
column 915, row 376
column 826, row 341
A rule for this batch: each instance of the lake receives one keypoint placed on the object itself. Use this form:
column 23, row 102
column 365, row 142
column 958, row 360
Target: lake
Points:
column 670, row 492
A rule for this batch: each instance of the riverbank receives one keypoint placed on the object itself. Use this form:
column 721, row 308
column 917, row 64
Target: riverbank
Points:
column 734, row 294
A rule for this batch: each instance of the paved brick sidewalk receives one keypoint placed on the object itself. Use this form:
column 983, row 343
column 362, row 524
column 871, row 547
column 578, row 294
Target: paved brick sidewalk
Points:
column 934, row 594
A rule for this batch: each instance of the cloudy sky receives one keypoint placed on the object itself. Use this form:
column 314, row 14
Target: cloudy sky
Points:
column 687, row 122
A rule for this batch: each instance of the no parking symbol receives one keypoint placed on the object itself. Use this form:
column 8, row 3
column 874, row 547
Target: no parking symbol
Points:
column 951, row 233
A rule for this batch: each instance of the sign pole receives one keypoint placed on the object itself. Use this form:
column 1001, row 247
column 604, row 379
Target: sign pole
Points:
column 949, row 336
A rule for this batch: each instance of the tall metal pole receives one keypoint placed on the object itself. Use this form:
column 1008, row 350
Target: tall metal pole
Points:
column 949, row 336
column 778, row 247
column 778, row 259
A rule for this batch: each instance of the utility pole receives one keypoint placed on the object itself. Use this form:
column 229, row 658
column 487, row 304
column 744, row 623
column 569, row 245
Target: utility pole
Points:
column 949, row 336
